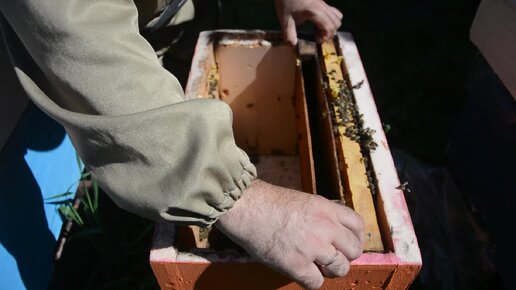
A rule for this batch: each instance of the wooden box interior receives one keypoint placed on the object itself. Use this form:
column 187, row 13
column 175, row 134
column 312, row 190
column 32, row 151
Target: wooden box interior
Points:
column 273, row 98
column 273, row 91
column 263, row 86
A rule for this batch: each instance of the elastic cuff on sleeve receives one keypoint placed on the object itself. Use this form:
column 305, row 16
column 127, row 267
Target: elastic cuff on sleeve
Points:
column 231, row 196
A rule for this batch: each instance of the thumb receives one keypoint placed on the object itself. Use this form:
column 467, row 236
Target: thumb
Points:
column 289, row 30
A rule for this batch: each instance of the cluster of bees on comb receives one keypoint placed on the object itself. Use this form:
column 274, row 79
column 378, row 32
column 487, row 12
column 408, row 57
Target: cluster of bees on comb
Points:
column 346, row 116
column 213, row 81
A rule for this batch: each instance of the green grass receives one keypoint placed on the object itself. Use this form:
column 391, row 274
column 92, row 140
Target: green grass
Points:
column 110, row 251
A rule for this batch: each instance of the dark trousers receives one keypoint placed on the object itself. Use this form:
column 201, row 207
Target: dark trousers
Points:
column 482, row 155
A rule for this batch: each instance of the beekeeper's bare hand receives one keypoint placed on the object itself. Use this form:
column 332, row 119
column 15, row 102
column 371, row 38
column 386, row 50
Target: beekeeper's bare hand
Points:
column 295, row 233
column 295, row 12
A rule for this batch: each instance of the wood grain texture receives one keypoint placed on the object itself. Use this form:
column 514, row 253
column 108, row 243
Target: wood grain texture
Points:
column 331, row 179
column 391, row 204
column 358, row 195
column 304, row 137
column 250, row 276
column 395, row 268
column 403, row 276
column 258, row 83
column 202, row 63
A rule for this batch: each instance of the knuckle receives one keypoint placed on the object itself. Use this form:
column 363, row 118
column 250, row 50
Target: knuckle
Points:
column 326, row 32
column 311, row 281
column 339, row 269
column 291, row 40
column 337, row 13
column 310, row 14
column 344, row 269
column 356, row 252
column 317, row 282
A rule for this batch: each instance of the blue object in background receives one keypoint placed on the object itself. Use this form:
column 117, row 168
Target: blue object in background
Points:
column 37, row 162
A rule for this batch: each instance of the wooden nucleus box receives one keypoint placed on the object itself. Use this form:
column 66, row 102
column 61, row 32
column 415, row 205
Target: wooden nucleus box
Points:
column 306, row 117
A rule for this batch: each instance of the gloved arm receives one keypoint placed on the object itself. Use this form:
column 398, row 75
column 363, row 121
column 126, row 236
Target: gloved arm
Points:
column 85, row 64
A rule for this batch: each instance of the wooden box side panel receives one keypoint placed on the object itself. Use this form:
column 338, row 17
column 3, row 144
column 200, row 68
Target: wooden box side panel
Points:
column 403, row 276
column 391, row 202
column 176, row 270
column 304, row 136
column 254, row 276
column 390, row 271
column 358, row 192
column 202, row 63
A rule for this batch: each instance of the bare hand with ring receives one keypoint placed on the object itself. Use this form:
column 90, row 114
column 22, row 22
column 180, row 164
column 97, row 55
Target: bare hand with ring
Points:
column 304, row 236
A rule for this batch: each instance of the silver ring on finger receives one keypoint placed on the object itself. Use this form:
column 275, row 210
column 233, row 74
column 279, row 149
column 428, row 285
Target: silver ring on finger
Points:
column 332, row 260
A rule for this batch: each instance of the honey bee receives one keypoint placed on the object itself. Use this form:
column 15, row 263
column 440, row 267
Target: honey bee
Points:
column 404, row 187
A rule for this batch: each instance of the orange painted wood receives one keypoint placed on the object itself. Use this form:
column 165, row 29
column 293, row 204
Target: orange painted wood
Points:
column 403, row 276
column 359, row 195
column 207, row 269
column 188, row 237
column 331, row 177
column 254, row 276
column 395, row 268
column 258, row 83
column 304, row 137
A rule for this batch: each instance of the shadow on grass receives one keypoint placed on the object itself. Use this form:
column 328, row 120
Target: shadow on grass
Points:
column 116, row 256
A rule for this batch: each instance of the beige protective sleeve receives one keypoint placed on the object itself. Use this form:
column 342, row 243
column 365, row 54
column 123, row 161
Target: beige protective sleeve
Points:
column 86, row 65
